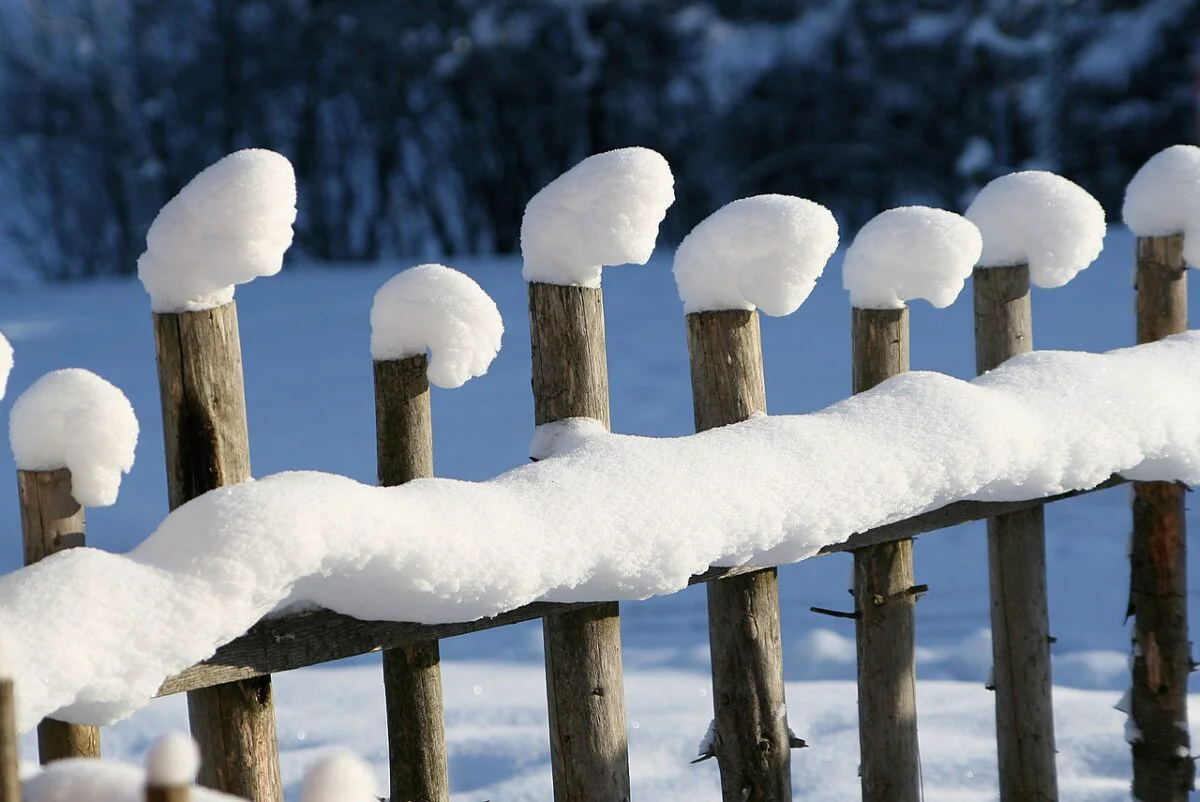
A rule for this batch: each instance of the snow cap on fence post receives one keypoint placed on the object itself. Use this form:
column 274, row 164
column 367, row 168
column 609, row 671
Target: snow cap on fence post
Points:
column 342, row 777
column 230, row 224
column 1163, row 198
column 603, row 211
column 1039, row 219
column 910, row 252
column 440, row 310
column 765, row 252
column 172, row 762
column 76, row 420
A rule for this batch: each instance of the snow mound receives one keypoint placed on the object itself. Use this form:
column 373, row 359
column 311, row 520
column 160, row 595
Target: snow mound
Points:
column 765, row 251
column 603, row 211
column 1164, row 198
column 173, row 761
column 230, row 224
column 79, row 778
column 342, row 777
column 1040, row 219
column 436, row 309
column 602, row 517
column 76, row 420
column 910, row 252
column 6, row 363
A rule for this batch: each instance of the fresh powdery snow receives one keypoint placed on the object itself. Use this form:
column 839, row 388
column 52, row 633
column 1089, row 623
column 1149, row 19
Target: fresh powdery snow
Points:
column 602, row 516
column 765, row 251
column 96, row 781
column 436, row 309
column 910, row 252
column 603, row 211
column 74, row 419
column 173, row 761
column 1164, row 198
column 1039, row 219
column 342, row 777
column 230, row 224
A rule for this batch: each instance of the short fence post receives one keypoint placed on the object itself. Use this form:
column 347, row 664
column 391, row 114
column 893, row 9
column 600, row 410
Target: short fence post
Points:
column 207, row 446
column 52, row 520
column 1162, row 766
column 753, row 748
column 1017, row 571
column 884, row 602
column 588, row 743
column 412, row 674
column 10, row 763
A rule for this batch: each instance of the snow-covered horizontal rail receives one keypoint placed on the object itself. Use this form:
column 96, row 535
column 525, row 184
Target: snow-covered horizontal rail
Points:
column 296, row 640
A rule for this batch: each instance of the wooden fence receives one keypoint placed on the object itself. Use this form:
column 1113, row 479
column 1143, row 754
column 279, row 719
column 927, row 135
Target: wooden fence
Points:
column 229, row 695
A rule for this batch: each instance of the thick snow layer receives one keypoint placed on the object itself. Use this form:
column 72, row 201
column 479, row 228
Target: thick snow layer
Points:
column 1040, row 219
column 74, row 419
column 6, row 363
column 436, row 309
column 96, row 781
column 910, row 252
column 608, row 517
column 230, row 224
column 173, row 761
column 603, row 211
column 342, row 777
column 766, row 251
column 1164, row 198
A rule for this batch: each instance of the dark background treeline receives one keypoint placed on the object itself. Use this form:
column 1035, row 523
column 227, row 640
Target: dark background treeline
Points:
column 420, row 128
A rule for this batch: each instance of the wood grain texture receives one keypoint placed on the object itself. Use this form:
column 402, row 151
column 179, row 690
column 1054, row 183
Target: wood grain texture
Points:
column 752, row 745
column 295, row 640
column 1162, row 771
column 175, row 793
column 10, row 756
column 207, row 446
column 412, row 673
column 52, row 520
column 1017, row 572
column 589, row 754
column 890, row 765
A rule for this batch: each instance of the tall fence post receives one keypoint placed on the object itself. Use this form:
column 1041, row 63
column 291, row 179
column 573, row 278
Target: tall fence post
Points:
column 884, row 602
column 412, row 674
column 1162, row 766
column 52, row 520
column 753, row 748
column 588, row 741
column 207, row 446
column 10, row 762
column 1017, row 571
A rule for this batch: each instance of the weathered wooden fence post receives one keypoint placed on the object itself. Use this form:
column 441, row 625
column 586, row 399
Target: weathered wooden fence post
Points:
column 207, row 446
column 1162, row 766
column 877, row 271
column 10, row 763
column 1161, row 208
column 52, row 520
column 752, row 743
column 605, row 210
column 412, row 675
column 1040, row 225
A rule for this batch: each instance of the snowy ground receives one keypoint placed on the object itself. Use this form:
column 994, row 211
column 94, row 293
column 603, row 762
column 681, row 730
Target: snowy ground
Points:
column 305, row 336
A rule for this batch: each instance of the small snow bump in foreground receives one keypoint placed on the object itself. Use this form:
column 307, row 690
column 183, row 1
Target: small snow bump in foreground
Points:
column 766, row 251
column 1041, row 219
column 436, row 309
column 910, row 252
column 603, row 211
column 343, row 777
column 1164, row 198
column 173, row 761
column 76, row 420
column 561, row 436
column 230, row 224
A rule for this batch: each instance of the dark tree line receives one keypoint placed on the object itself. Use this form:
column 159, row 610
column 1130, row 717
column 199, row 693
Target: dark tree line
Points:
column 421, row 128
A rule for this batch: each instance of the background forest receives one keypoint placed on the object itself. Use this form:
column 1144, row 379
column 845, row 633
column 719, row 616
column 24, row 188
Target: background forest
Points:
column 420, row 128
